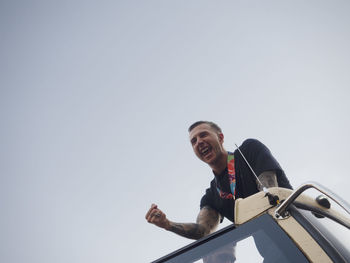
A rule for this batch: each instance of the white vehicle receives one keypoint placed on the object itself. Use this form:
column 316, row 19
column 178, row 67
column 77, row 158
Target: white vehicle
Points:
column 281, row 226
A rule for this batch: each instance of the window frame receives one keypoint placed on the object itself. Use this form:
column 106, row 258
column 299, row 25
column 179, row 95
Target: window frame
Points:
column 194, row 251
column 335, row 253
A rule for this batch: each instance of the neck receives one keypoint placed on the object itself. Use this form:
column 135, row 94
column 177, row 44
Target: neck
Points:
column 220, row 164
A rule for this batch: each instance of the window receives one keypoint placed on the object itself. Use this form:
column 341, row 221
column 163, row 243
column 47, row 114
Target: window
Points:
column 333, row 237
column 256, row 241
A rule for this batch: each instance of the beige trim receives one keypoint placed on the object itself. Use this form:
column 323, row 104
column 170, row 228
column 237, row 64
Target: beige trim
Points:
column 302, row 239
column 254, row 205
column 307, row 200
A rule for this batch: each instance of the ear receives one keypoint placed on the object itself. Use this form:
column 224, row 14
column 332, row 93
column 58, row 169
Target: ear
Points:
column 221, row 137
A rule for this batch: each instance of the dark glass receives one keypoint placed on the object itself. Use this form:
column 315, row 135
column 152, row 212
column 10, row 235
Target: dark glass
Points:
column 332, row 236
column 271, row 244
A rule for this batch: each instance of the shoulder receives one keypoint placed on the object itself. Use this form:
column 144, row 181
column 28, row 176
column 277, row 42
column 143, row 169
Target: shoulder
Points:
column 257, row 154
column 252, row 144
column 251, row 141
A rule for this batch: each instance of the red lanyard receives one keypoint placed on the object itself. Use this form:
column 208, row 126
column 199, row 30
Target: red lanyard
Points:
column 231, row 178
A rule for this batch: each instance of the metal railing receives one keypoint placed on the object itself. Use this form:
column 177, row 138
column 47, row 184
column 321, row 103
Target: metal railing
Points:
column 281, row 211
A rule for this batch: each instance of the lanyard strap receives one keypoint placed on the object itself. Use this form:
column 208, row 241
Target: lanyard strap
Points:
column 231, row 178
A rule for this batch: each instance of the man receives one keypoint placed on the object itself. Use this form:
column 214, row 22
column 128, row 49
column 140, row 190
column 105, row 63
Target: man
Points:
column 232, row 179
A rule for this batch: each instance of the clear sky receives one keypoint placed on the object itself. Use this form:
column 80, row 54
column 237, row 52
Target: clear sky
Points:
column 96, row 98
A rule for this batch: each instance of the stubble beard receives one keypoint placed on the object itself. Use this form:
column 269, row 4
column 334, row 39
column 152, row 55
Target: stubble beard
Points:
column 218, row 155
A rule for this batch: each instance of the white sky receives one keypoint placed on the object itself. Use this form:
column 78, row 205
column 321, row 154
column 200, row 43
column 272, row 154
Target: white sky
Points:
column 96, row 98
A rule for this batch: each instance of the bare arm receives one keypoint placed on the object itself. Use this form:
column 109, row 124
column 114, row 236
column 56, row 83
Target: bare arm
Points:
column 207, row 221
column 268, row 179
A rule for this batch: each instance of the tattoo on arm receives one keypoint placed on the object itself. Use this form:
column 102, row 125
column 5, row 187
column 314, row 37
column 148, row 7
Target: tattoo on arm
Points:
column 268, row 179
column 207, row 221
column 188, row 230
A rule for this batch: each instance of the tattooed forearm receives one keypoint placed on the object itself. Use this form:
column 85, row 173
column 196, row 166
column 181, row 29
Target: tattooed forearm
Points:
column 268, row 179
column 188, row 230
column 209, row 218
column 207, row 221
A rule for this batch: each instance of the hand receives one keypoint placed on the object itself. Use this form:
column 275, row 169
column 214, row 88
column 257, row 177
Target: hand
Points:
column 157, row 217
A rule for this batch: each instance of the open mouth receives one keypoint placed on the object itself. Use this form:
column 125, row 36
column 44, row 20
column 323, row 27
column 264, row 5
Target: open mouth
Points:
column 205, row 151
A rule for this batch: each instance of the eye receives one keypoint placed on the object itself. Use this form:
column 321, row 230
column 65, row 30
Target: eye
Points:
column 203, row 134
column 193, row 141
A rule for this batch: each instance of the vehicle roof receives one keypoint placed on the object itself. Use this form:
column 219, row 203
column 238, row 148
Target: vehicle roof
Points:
column 257, row 204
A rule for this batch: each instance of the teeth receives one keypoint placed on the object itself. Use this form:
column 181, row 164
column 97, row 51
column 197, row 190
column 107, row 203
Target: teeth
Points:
column 205, row 150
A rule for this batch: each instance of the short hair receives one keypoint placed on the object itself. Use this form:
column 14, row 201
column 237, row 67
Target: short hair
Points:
column 212, row 125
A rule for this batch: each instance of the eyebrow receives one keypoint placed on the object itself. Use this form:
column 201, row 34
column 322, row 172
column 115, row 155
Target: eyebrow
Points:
column 203, row 133
column 199, row 134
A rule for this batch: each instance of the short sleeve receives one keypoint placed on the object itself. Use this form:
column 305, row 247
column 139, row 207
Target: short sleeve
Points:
column 260, row 157
column 208, row 200
column 261, row 160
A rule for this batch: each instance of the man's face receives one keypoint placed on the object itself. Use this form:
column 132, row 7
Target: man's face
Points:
column 206, row 143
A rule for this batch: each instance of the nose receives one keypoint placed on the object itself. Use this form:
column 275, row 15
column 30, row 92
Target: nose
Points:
column 200, row 142
column 197, row 142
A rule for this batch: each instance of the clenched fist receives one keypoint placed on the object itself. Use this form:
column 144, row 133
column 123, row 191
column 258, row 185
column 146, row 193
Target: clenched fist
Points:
column 157, row 217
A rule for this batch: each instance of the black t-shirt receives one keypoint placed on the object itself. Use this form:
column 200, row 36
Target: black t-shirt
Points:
column 261, row 160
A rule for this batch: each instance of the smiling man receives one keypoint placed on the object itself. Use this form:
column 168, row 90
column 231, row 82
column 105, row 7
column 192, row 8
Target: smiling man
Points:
column 232, row 179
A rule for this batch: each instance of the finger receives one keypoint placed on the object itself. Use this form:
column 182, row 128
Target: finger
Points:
column 150, row 210
column 154, row 216
column 153, row 206
column 156, row 213
column 149, row 213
